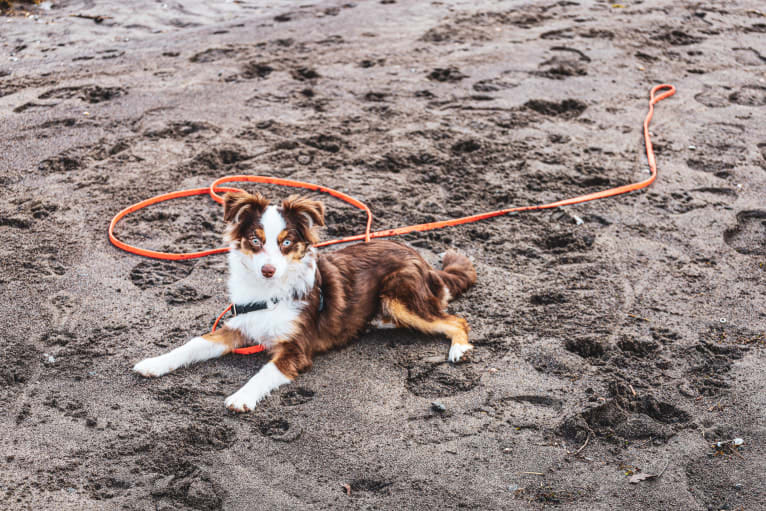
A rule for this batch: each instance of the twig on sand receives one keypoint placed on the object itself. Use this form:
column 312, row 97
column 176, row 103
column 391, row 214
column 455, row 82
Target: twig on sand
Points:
column 637, row 478
column 578, row 451
column 734, row 450
column 97, row 19
column 664, row 469
column 533, row 473
column 644, row 442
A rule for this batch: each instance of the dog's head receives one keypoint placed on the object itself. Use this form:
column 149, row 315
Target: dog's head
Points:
column 272, row 239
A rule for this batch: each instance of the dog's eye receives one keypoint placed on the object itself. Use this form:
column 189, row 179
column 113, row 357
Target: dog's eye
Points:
column 256, row 242
column 287, row 243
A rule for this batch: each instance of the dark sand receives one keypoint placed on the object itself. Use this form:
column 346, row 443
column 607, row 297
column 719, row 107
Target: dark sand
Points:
column 640, row 330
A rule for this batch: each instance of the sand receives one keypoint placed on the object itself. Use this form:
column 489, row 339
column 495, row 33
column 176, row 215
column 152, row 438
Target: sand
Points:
column 635, row 324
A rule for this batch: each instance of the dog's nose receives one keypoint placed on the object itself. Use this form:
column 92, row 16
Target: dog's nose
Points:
column 268, row 270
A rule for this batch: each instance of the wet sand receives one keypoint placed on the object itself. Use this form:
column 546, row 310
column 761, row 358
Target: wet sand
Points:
column 634, row 324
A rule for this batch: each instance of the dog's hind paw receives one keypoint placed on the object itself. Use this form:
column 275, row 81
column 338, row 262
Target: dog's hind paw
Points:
column 457, row 351
column 152, row 367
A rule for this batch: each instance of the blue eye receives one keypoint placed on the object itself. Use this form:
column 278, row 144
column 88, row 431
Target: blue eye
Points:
column 286, row 243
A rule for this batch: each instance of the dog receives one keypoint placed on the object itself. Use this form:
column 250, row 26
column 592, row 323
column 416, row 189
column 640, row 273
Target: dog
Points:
column 298, row 303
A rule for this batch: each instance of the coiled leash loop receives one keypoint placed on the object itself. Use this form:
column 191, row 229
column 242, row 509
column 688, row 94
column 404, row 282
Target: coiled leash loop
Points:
column 215, row 188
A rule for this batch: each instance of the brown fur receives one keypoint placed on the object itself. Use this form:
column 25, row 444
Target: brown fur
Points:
column 228, row 337
column 304, row 215
column 360, row 282
column 379, row 278
column 241, row 210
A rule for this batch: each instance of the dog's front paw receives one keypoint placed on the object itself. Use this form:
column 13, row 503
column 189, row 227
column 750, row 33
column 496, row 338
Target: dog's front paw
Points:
column 242, row 401
column 259, row 386
column 153, row 367
column 457, row 351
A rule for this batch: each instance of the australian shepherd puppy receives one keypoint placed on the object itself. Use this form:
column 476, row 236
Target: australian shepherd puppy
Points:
column 298, row 303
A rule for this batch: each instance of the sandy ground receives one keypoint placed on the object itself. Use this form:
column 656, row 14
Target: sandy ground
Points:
column 639, row 331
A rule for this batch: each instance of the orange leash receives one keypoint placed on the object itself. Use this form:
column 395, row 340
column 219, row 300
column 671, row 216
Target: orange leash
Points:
column 367, row 235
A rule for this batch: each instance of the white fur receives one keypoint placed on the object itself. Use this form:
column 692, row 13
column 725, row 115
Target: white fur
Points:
column 269, row 326
column 196, row 350
column 447, row 298
column 247, row 284
column 259, row 386
column 381, row 325
column 457, row 351
column 273, row 223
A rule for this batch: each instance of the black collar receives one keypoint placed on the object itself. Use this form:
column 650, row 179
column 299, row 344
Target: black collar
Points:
column 237, row 309
column 244, row 308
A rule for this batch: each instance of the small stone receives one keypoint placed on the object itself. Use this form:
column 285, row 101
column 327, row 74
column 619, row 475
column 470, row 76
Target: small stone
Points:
column 513, row 487
column 438, row 406
column 91, row 422
column 686, row 390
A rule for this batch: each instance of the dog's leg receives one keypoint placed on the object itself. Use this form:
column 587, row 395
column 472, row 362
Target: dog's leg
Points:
column 288, row 360
column 208, row 346
column 452, row 326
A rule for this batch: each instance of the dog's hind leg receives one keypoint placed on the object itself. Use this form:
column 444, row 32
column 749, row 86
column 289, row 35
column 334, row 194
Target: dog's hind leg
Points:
column 208, row 346
column 454, row 327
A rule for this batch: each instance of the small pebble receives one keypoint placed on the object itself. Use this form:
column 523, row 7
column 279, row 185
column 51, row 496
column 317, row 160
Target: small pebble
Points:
column 513, row 487
column 578, row 220
column 686, row 390
column 437, row 406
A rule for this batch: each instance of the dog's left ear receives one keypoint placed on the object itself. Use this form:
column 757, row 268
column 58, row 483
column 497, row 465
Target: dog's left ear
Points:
column 308, row 213
column 237, row 203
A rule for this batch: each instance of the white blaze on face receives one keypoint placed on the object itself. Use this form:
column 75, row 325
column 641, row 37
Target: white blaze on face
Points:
column 273, row 223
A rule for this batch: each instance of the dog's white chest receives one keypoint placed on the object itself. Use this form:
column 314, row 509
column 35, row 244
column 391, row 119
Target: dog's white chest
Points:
column 269, row 326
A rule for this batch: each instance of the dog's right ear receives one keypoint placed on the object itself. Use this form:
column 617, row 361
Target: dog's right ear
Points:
column 237, row 203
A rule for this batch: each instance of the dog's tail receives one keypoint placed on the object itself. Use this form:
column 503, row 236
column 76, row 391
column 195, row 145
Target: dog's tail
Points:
column 457, row 273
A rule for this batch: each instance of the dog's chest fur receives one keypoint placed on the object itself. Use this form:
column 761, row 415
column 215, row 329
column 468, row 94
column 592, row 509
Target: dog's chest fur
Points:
column 269, row 326
column 280, row 320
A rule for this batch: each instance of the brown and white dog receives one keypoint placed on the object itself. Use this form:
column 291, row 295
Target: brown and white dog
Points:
column 298, row 303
